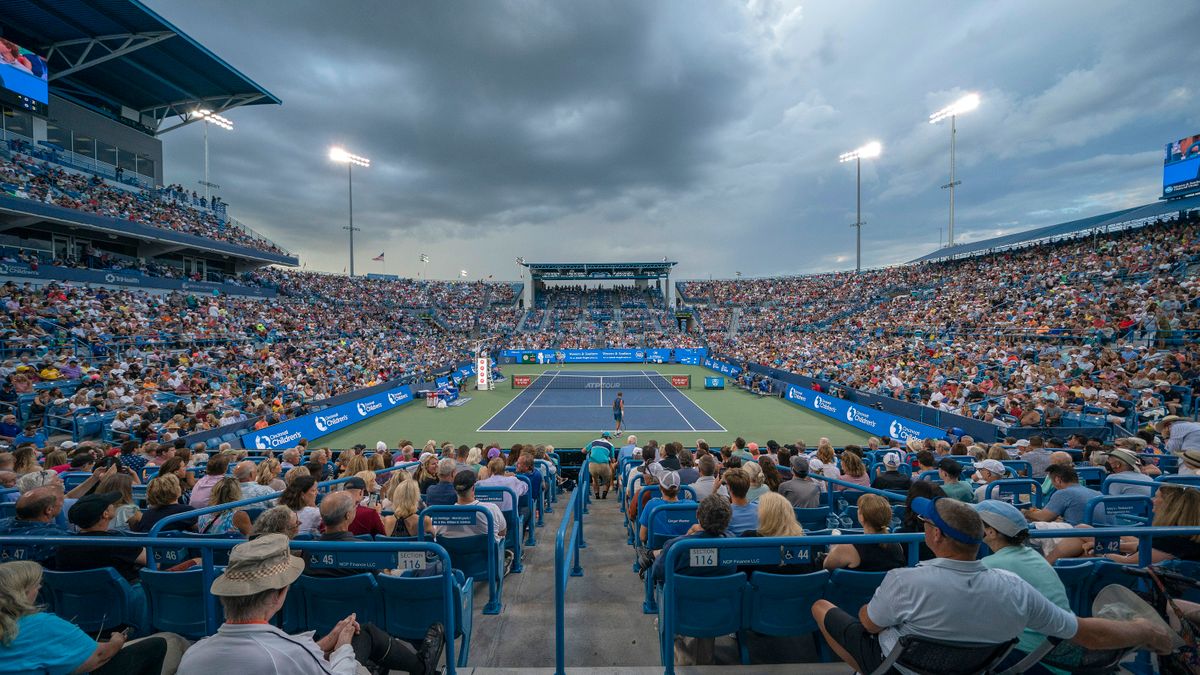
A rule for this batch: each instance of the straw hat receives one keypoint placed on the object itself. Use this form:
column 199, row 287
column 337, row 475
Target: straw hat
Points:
column 1161, row 425
column 258, row 565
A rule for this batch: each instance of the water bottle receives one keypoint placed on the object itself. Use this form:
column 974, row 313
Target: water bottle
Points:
column 831, row 522
column 846, row 522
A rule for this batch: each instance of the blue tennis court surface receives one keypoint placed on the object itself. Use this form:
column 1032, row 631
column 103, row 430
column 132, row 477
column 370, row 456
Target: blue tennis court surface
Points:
column 582, row 401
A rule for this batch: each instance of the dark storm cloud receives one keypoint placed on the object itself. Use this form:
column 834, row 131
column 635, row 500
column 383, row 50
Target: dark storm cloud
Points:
column 708, row 131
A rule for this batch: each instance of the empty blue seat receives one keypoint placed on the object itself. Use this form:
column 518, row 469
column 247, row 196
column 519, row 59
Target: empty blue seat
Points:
column 701, row 607
column 1076, row 576
column 328, row 600
column 813, row 519
column 781, row 604
column 410, row 604
column 97, row 601
column 850, row 590
column 176, row 602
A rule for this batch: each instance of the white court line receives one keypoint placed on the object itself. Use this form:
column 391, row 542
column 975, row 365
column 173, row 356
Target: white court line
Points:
column 668, row 400
column 627, row 406
column 591, row 431
column 535, row 398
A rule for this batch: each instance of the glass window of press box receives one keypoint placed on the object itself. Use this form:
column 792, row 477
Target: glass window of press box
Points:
column 86, row 147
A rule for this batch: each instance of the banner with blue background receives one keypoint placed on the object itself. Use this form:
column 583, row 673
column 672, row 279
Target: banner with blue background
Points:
column 722, row 367
column 327, row 421
column 548, row 356
column 877, row 422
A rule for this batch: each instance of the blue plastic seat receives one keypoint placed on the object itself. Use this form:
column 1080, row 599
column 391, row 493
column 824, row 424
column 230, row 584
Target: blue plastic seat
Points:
column 850, row 590
column 469, row 555
column 176, row 602
column 410, row 604
column 96, row 600
column 1076, row 578
column 781, row 604
column 702, row 607
column 328, row 600
column 813, row 519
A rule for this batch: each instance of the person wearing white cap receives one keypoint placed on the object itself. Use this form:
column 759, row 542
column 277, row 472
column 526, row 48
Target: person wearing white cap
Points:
column 668, row 484
column 253, row 588
column 988, row 471
column 891, row 478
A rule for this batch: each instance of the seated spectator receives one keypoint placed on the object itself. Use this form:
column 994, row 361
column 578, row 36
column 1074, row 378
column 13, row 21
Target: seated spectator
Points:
column 301, row 497
column 442, row 493
column 496, row 477
column 910, row 522
column 949, row 470
column 1174, row 506
column 526, row 468
column 875, row 514
column 246, row 474
column 214, row 472
column 36, row 516
column 464, row 486
column 706, row 467
column 337, row 512
column 744, row 513
column 669, row 487
column 913, row 601
column 688, row 473
column 253, row 589
column 1069, row 500
column 33, row 641
column 987, row 471
column 891, row 478
column 162, row 495
column 276, row 520
column 367, row 519
column 776, row 518
column 854, row 471
column 758, row 485
column 801, row 491
column 127, row 512
column 92, row 515
column 227, row 491
column 406, row 508
column 1005, row 531
column 1125, row 465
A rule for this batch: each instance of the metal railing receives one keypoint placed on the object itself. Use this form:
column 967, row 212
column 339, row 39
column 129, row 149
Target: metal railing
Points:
column 566, row 564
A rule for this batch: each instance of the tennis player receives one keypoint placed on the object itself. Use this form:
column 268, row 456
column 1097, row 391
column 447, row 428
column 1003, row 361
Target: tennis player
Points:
column 618, row 411
column 561, row 356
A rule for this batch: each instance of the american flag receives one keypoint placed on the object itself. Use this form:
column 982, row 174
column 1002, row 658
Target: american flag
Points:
column 378, row 258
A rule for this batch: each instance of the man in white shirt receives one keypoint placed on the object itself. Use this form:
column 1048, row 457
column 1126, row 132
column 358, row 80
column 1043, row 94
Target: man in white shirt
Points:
column 253, row 588
column 464, row 486
column 497, row 478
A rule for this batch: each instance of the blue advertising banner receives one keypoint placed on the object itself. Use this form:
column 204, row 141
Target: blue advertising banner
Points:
column 128, row 278
column 874, row 421
column 327, row 421
column 722, row 367
column 545, row 356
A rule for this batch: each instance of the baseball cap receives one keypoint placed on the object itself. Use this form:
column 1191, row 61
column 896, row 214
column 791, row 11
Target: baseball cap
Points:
column 606, row 434
column 355, row 483
column 87, row 511
column 1004, row 517
column 800, row 466
column 1023, row 443
column 926, row 509
column 891, row 459
column 464, row 480
column 669, row 480
column 493, row 452
column 992, row 465
column 752, row 447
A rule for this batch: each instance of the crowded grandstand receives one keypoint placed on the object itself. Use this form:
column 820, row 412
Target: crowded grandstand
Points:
column 985, row 460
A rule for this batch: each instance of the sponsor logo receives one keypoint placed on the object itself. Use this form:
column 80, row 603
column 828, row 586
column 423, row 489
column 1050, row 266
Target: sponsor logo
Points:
column 367, row 407
column 17, row 271
column 602, row 385
column 821, row 403
column 326, row 422
column 277, row 439
column 521, row 380
column 797, row 394
column 856, row 416
column 121, row 279
column 397, row 398
column 900, row 432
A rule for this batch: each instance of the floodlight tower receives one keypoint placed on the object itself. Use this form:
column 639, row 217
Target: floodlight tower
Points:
column 962, row 105
column 868, row 151
column 338, row 154
column 211, row 117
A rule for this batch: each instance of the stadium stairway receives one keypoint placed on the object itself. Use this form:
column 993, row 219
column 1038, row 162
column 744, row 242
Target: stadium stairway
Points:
column 607, row 633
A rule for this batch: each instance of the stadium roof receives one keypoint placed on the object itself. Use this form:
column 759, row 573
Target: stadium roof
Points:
column 114, row 54
column 1062, row 229
column 584, row 271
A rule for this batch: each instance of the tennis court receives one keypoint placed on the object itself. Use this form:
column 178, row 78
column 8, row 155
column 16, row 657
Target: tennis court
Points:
column 582, row 401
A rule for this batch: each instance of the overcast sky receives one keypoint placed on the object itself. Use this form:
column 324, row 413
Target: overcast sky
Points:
column 705, row 131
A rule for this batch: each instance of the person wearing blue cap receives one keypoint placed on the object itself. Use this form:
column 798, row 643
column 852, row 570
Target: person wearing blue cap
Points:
column 945, row 598
column 1006, row 532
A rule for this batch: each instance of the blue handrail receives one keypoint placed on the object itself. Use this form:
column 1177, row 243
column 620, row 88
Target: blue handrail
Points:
column 567, row 543
column 207, row 546
column 892, row 496
column 1145, row 535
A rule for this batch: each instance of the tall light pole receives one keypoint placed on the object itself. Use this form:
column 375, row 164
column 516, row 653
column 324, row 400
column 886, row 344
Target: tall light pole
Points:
column 867, row 151
column 211, row 117
column 962, row 105
column 338, row 154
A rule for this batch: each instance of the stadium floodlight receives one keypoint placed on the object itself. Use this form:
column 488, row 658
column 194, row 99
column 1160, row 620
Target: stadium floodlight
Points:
column 952, row 111
column 339, row 154
column 869, row 151
column 462, row 273
column 225, row 123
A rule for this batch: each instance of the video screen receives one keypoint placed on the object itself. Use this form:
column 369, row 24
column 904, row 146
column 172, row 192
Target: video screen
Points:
column 1181, row 167
column 24, row 78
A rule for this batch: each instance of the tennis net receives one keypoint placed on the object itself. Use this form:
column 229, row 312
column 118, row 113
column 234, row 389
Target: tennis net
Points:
column 614, row 382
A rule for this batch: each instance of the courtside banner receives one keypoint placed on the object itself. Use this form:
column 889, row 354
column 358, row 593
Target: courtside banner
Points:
column 721, row 367
column 550, row 356
column 877, row 422
column 327, row 421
